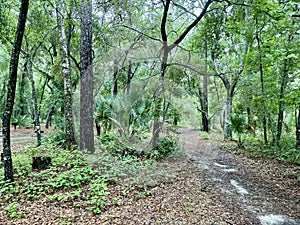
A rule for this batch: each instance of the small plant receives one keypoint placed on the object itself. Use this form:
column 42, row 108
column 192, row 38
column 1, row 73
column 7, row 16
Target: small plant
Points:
column 238, row 125
column 166, row 146
column 204, row 135
column 97, row 195
column 12, row 208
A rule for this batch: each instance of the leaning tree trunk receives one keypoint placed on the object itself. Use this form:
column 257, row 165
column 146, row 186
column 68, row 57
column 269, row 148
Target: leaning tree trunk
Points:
column 35, row 104
column 298, row 130
column 13, row 72
column 87, row 79
column 66, row 72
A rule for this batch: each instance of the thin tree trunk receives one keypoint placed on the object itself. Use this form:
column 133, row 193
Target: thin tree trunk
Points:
column 13, row 72
column 298, row 130
column 22, row 89
column 65, row 62
column 281, row 107
column 87, row 79
column 204, row 113
column 49, row 116
column 115, row 88
column 262, row 83
column 158, row 101
column 36, row 115
column 128, row 83
column 227, row 113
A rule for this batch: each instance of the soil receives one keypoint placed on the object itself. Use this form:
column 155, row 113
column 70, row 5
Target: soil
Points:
column 211, row 186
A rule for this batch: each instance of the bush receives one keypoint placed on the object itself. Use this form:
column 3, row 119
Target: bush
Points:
column 166, row 146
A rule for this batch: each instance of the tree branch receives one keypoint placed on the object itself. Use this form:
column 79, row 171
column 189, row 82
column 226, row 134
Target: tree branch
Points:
column 164, row 21
column 184, row 9
column 140, row 32
column 192, row 25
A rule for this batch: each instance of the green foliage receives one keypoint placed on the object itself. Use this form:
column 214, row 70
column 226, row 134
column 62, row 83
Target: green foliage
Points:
column 117, row 147
column 284, row 152
column 57, row 138
column 25, row 121
column 8, row 190
column 69, row 173
column 166, row 146
column 114, row 145
column 12, row 208
column 97, row 195
column 237, row 123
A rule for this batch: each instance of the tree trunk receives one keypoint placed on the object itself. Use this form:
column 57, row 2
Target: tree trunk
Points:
column 49, row 116
column 13, row 72
column 115, row 88
column 281, row 107
column 227, row 113
column 87, row 79
column 166, row 49
column 298, row 130
column 65, row 62
column 128, row 82
column 22, row 89
column 158, row 102
column 36, row 112
column 204, row 113
column 262, row 83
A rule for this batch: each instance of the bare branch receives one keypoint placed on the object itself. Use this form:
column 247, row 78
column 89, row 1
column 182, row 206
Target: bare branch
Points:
column 184, row 9
column 192, row 25
column 142, row 33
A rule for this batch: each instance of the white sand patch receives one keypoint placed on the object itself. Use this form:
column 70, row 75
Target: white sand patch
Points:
column 239, row 188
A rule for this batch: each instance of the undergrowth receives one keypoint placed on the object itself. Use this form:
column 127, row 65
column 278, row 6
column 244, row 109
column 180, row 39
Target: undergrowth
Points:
column 254, row 147
column 83, row 179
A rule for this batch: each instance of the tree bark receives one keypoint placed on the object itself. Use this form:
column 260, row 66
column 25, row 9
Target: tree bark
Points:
column 281, row 107
column 66, row 72
column 262, row 83
column 13, row 72
column 129, row 77
column 35, row 104
column 204, row 105
column 87, row 79
column 22, row 90
column 115, row 88
column 227, row 113
column 298, row 130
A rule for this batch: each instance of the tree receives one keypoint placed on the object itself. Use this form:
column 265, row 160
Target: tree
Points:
column 166, row 49
column 13, row 71
column 298, row 130
column 66, row 73
column 87, row 79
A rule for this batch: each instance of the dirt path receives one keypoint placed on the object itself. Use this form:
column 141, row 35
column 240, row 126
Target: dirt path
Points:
column 257, row 190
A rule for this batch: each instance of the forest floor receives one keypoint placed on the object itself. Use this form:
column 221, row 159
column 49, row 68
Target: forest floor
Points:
column 211, row 185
